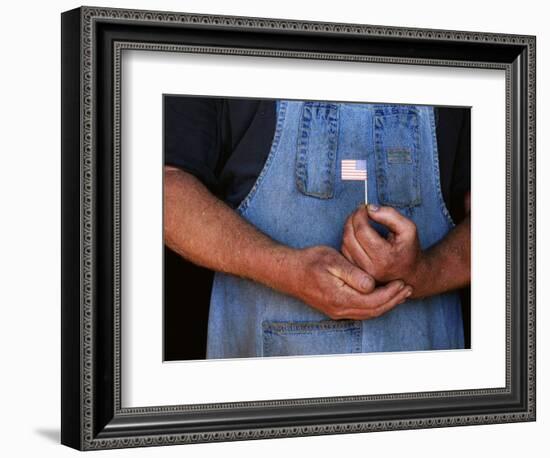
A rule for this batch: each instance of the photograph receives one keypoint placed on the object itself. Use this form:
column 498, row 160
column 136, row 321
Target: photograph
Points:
column 308, row 227
column 281, row 229
column 276, row 228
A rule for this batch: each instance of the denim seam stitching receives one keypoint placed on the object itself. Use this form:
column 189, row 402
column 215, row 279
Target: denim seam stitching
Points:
column 381, row 173
column 244, row 205
column 285, row 327
column 302, row 153
column 354, row 329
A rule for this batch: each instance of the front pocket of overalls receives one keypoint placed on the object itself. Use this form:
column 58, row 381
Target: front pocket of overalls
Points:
column 317, row 146
column 396, row 137
column 293, row 338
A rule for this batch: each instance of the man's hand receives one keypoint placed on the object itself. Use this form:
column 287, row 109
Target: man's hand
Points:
column 397, row 257
column 203, row 229
column 444, row 267
column 325, row 280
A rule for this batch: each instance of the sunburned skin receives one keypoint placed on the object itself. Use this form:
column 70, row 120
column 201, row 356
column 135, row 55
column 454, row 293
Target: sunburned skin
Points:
column 206, row 231
column 443, row 267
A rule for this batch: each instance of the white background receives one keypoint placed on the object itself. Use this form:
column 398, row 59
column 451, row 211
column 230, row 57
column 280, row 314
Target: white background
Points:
column 146, row 76
column 30, row 240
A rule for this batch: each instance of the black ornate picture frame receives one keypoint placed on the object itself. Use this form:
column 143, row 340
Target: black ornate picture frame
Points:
column 92, row 42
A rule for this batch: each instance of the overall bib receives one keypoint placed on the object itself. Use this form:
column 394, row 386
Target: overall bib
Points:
column 300, row 201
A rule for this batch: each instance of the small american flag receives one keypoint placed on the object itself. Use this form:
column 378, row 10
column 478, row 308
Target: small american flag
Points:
column 355, row 170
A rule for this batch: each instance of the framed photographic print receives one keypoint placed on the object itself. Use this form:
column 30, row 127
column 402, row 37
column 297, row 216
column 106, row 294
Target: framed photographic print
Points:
column 277, row 228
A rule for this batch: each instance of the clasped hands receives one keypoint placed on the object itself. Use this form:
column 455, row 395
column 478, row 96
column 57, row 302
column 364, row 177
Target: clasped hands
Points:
column 371, row 275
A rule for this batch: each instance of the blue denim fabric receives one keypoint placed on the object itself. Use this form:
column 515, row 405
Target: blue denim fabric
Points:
column 299, row 200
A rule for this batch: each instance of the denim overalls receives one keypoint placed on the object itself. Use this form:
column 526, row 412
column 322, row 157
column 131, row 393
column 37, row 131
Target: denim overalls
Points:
column 300, row 200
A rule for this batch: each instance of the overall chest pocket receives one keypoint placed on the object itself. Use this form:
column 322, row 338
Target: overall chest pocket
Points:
column 396, row 142
column 293, row 338
column 317, row 146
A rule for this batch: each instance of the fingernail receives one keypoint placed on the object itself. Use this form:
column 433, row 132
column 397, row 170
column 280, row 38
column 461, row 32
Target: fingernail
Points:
column 366, row 283
column 409, row 292
column 373, row 207
column 401, row 285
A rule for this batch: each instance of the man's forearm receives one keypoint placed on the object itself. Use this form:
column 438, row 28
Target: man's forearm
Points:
column 203, row 229
column 206, row 231
column 445, row 266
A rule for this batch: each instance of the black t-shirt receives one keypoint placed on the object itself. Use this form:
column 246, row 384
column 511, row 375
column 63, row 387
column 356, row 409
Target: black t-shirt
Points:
column 225, row 142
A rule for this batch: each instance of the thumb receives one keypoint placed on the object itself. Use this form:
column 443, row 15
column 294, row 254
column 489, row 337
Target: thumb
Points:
column 353, row 276
column 392, row 219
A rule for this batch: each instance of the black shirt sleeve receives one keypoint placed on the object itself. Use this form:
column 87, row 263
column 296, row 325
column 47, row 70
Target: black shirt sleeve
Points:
column 193, row 136
column 461, row 181
column 223, row 142
column 453, row 141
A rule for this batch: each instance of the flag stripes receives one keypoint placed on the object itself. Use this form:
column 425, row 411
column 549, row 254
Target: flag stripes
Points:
column 354, row 169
